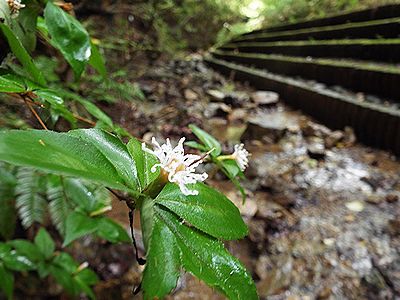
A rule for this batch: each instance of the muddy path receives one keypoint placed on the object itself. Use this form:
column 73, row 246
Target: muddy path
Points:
column 323, row 211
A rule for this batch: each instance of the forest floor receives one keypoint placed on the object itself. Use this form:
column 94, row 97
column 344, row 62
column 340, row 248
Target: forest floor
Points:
column 323, row 211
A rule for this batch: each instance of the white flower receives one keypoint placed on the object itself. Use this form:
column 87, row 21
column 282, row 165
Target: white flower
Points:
column 241, row 156
column 180, row 167
column 15, row 6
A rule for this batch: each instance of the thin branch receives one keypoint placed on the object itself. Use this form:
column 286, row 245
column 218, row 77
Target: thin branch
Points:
column 29, row 104
column 140, row 260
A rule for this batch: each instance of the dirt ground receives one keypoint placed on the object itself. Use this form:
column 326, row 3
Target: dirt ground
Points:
column 323, row 211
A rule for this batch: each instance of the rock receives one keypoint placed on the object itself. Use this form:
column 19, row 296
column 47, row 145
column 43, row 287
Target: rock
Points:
column 214, row 109
column 236, row 99
column 216, row 95
column 356, row 206
column 391, row 198
column 265, row 98
column 190, row 95
column 375, row 199
column 333, row 138
column 394, row 227
column 311, row 129
column 316, row 151
column 271, row 125
column 349, row 136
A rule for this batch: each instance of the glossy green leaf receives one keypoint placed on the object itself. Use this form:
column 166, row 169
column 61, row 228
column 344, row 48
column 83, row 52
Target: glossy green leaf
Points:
column 208, row 140
column 56, row 103
column 209, row 211
column 147, row 220
column 59, row 153
column 144, row 161
column 69, row 36
column 83, row 197
column 45, row 243
column 25, row 25
column 208, row 260
column 11, row 83
column 115, row 151
column 111, row 231
column 6, row 281
column 15, row 261
column 28, row 249
column 78, row 225
column 163, row 262
column 97, row 60
column 22, row 55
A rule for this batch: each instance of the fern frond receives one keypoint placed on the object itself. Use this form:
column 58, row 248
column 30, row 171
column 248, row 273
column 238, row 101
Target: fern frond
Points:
column 30, row 202
column 60, row 205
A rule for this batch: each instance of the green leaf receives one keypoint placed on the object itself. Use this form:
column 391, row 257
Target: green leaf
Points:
column 64, row 278
column 208, row 140
column 56, row 103
column 45, row 243
column 59, row 153
column 78, row 225
column 25, row 25
column 88, row 198
column 196, row 145
column 22, row 55
column 147, row 220
column 11, row 83
column 15, row 261
column 111, row 231
column 115, row 151
column 144, row 161
column 209, row 211
column 69, row 36
column 8, row 213
column 6, row 282
column 231, row 167
column 208, row 260
column 162, row 270
column 97, row 60
column 28, row 249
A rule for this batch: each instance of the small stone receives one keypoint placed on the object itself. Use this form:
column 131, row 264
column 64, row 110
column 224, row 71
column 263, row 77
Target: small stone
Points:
column 391, row 198
column 329, row 241
column 356, row 206
column 190, row 95
column 265, row 98
column 375, row 199
column 394, row 227
column 349, row 218
column 316, row 151
column 216, row 95
column 333, row 139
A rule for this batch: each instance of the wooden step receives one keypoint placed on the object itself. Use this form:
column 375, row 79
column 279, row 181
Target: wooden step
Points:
column 386, row 28
column 385, row 50
column 376, row 13
column 377, row 79
column 373, row 124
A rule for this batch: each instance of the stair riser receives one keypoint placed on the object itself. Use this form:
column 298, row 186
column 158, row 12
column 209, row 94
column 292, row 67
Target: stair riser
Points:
column 373, row 126
column 390, row 30
column 383, row 12
column 383, row 84
column 383, row 52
